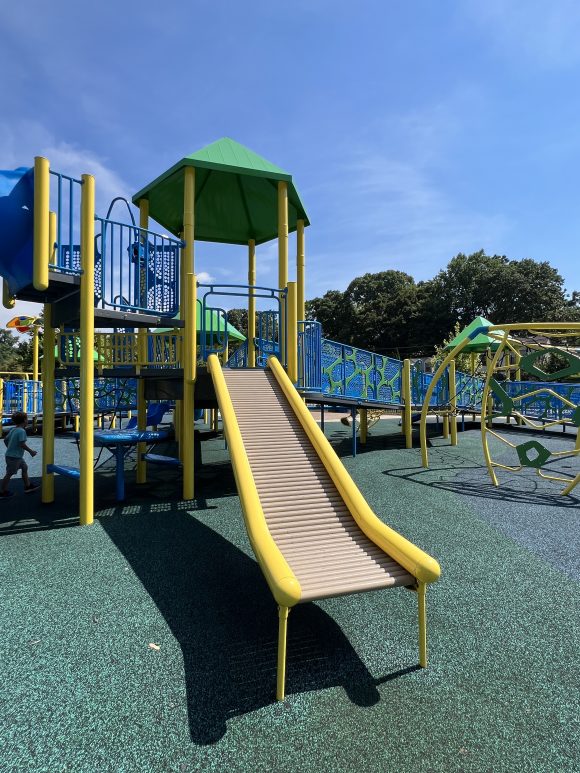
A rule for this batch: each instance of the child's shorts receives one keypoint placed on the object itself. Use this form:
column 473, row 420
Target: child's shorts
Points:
column 13, row 464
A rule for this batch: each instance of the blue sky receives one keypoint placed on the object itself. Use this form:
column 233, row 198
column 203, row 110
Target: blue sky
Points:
column 413, row 130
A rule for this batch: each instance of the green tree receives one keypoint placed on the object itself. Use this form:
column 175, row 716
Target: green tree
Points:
column 10, row 359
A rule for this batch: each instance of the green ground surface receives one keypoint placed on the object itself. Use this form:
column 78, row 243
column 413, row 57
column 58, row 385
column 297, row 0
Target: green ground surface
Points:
column 82, row 690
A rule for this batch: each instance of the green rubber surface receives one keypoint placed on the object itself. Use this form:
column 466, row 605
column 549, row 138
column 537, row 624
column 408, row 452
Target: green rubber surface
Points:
column 82, row 689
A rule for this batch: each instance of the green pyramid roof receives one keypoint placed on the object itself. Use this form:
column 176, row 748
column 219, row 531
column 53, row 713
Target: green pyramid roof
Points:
column 481, row 342
column 236, row 195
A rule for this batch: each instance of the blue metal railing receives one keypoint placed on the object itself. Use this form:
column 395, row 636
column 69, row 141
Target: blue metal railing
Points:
column 239, row 359
column 139, row 269
column 309, row 356
column 356, row 373
column 268, row 333
column 67, row 208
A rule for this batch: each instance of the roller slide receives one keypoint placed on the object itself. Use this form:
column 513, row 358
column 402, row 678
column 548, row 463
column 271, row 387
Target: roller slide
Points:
column 312, row 532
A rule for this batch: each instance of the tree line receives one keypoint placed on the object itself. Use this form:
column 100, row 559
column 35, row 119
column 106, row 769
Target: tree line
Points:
column 390, row 313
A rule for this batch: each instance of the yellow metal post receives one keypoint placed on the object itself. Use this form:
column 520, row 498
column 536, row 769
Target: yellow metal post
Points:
column 141, row 405
column 87, row 336
column 41, row 223
column 282, row 256
column 35, row 331
column 188, row 314
column 282, row 631
column 407, row 400
column 445, row 425
column 48, row 406
column 251, row 304
column 364, row 425
column 300, row 270
column 292, row 334
column 189, row 374
column 1, row 396
column 8, row 299
column 453, row 402
column 421, row 595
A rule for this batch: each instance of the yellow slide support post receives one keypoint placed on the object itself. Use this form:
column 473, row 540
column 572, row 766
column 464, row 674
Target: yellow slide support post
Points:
column 41, row 223
column 251, row 304
column 48, row 398
column 87, row 336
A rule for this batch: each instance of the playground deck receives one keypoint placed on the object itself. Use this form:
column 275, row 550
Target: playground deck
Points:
column 84, row 690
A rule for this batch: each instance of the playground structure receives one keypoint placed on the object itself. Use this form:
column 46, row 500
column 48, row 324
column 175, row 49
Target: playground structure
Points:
column 542, row 403
column 121, row 302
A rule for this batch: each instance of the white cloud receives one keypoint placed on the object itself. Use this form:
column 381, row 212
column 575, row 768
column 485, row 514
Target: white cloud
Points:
column 205, row 278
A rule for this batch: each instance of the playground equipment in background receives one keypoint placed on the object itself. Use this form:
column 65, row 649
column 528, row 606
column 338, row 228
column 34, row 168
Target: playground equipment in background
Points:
column 541, row 403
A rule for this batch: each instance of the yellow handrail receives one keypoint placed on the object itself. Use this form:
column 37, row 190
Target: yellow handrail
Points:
column 413, row 559
column 280, row 578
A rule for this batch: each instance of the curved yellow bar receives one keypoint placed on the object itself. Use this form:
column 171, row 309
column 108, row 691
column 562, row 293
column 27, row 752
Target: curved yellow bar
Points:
column 413, row 559
column 280, row 578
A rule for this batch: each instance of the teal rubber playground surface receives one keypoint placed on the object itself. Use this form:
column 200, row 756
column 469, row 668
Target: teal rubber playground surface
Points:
column 84, row 690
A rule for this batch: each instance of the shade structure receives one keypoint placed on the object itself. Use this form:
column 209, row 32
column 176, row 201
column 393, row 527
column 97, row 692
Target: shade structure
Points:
column 212, row 324
column 236, row 195
column 481, row 342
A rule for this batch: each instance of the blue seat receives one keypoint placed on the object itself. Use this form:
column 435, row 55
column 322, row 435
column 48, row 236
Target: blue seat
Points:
column 155, row 414
column 168, row 461
column 61, row 469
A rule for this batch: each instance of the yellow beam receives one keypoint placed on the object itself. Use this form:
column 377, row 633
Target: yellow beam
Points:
column 141, row 406
column 188, row 312
column 41, row 222
column 364, row 425
column 8, row 300
column 407, row 400
column 282, row 256
column 282, row 637
column 453, row 402
column 251, row 304
column 292, row 334
column 87, row 336
column 189, row 374
column 48, row 400
column 300, row 269
column 35, row 332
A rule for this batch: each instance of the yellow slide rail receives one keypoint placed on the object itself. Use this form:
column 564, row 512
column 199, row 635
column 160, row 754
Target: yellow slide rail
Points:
column 280, row 578
column 418, row 563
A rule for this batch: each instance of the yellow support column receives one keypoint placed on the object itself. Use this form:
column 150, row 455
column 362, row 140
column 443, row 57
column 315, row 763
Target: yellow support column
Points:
column 300, row 270
column 141, row 405
column 421, row 595
column 189, row 374
column 453, row 402
column 364, row 425
column 35, row 331
column 188, row 313
column 8, row 299
column 282, row 257
column 292, row 334
column 445, row 425
column 282, row 632
column 407, row 400
column 1, row 397
column 87, row 336
column 48, row 405
column 41, row 223
column 251, row 304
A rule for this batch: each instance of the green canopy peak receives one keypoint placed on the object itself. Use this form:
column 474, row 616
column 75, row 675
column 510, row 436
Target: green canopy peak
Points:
column 236, row 195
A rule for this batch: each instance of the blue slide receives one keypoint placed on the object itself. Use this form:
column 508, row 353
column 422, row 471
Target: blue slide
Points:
column 16, row 226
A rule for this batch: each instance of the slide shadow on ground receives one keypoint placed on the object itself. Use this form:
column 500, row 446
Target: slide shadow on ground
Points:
column 217, row 604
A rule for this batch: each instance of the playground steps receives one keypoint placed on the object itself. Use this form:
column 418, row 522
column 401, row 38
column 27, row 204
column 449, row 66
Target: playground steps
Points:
column 305, row 513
